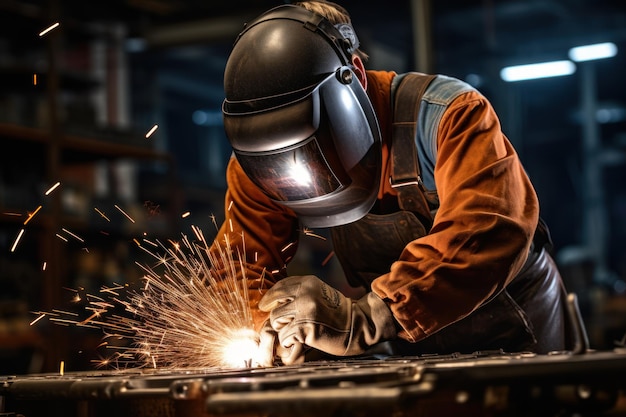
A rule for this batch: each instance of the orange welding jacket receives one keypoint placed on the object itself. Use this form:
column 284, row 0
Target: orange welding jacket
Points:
column 478, row 242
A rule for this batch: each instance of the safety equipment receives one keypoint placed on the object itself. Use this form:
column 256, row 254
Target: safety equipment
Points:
column 307, row 312
column 299, row 120
column 267, row 346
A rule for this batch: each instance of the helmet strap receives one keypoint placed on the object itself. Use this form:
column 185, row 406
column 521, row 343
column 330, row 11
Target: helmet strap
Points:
column 347, row 31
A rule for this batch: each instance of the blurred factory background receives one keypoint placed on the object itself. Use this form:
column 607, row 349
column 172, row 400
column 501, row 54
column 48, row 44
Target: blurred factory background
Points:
column 77, row 102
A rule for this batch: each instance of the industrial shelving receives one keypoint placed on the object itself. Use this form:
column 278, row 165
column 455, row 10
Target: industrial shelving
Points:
column 49, row 135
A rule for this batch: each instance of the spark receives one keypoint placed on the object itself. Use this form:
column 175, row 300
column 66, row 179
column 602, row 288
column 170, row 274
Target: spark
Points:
column 149, row 242
column 328, row 258
column 77, row 298
column 63, row 312
column 41, row 316
column 124, row 213
column 151, row 131
column 88, row 319
column 113, row 290
column 44, row 265
column 309, row 232
column 262, row 280
column 51, row 189
column 48, row 29
column 192, row 309
column 62, row 368
column 197, row 232
column 102, row 362
column 73, row 235
column 287, row 246
column 17, row 240
column 102, row 214
column 187, row 303
column 186, row 214
column 31, row 215
column 35, row 79
column 63, row 238
column 7, row 213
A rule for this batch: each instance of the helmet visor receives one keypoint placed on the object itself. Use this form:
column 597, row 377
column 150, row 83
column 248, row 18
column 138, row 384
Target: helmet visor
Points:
column 297, row 173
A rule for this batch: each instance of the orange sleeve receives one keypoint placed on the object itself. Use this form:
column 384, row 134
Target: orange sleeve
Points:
column 481, row 233
column 260, row 232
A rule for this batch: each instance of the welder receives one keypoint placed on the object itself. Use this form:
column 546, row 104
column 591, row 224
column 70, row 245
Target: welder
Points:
column 427, row 203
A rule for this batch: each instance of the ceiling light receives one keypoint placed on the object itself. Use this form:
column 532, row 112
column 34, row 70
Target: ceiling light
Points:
column 595, row 51
column 540, row 70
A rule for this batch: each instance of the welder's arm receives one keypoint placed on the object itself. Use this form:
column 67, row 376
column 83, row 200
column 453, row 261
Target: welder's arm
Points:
column 260, row 232
column 481, row 232
column 306, row 312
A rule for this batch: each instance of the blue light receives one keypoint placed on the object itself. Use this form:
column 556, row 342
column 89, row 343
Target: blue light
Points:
column 539, row 70
column 591, row 52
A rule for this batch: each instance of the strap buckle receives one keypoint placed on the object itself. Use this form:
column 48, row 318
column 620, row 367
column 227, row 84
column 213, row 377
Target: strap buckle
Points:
column 406, row 182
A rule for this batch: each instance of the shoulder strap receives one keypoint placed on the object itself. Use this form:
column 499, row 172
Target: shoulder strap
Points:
column 405, row 174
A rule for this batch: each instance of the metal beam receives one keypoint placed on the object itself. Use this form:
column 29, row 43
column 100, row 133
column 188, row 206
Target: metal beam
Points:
column 422, row 35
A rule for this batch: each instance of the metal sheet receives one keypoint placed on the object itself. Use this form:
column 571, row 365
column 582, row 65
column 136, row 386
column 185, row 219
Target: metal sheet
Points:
column 488, row 383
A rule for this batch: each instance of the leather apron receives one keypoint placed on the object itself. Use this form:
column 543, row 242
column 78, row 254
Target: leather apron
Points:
column 528, row 315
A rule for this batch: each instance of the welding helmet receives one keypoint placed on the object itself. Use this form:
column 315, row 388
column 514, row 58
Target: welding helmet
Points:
column 299, row 120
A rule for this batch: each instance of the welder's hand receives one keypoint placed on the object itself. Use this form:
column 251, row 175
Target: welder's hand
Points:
column 307, row 312
column 269, row 348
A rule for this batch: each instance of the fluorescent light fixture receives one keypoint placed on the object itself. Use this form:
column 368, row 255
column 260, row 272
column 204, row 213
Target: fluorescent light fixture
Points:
column 595, row 51
column 540, row 70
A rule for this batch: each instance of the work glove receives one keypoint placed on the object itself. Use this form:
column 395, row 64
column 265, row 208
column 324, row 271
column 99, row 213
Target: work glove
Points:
column 307, row 312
